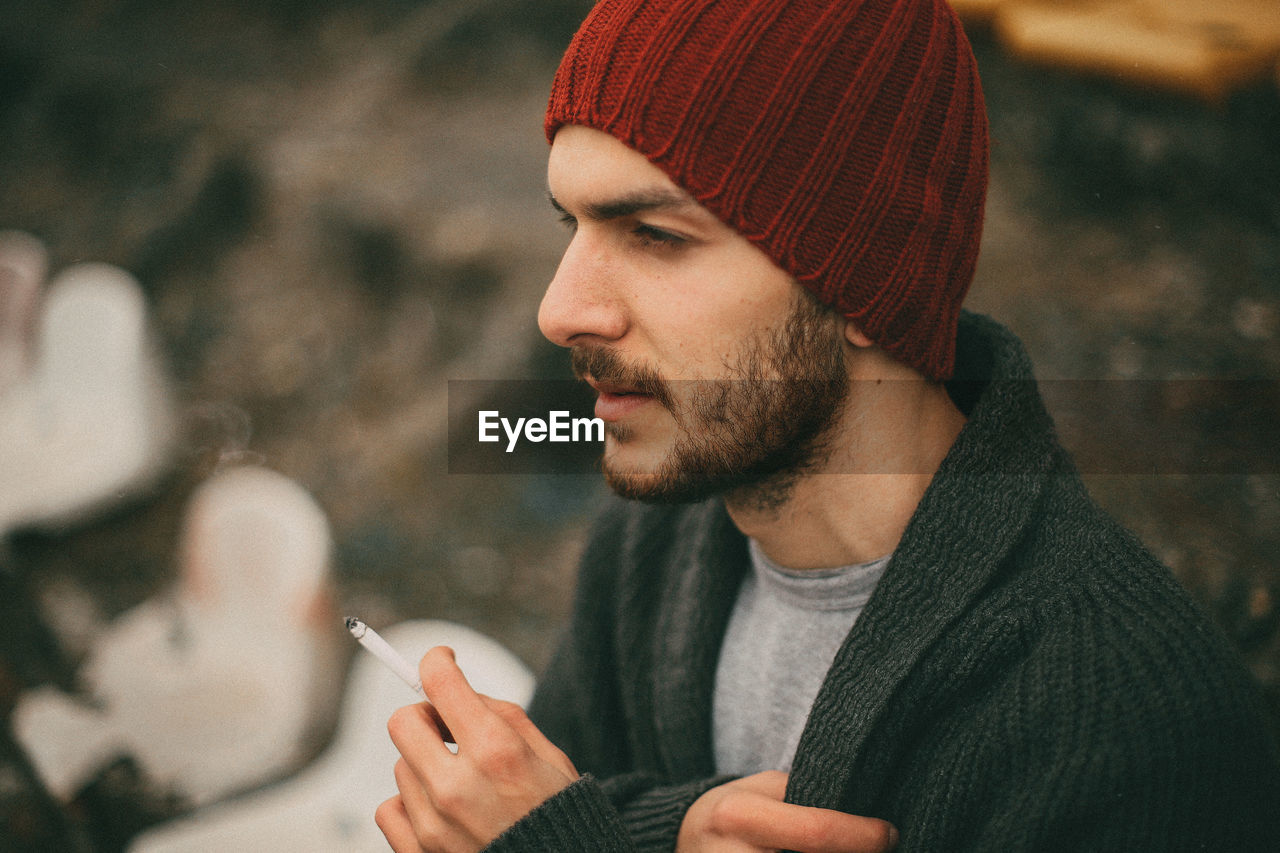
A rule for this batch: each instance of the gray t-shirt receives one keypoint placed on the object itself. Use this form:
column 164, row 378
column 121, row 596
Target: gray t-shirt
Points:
column 783, row 634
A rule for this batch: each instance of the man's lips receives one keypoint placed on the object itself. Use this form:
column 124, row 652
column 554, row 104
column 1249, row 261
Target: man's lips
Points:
column 615, row 401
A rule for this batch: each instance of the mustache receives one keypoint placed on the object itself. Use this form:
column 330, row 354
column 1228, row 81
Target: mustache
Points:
column 604, row 365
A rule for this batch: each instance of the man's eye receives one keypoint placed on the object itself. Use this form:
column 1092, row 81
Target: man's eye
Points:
column 647, row 235
column 568, row 221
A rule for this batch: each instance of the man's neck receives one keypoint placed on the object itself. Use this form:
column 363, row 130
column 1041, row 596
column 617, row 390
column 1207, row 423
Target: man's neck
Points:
column 854, row 506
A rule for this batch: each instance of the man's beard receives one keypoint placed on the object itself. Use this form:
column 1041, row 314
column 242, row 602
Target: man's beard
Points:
column 749, row 436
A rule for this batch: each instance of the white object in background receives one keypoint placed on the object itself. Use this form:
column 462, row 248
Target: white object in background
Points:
column 89, row 419
column 23, row 264
column 221, row 685
column 329, row 806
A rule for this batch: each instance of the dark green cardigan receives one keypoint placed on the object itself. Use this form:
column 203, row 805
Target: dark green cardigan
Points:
column 1025, row 677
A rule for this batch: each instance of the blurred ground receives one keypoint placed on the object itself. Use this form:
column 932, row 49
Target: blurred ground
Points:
column 337, row 206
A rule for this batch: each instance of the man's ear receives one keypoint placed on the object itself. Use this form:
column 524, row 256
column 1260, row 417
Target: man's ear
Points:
column 854, row 335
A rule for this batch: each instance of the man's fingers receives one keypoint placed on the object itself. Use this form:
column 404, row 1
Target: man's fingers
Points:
column 826, row 831
column 417, row 732
column 413, row 797
column 770, row 783
column 515, row 717
column 393, row 820
column 429, row 829
column 503, row 767
column 437, row 721
column 460, row 708
column 414, row 803
column 764, row 821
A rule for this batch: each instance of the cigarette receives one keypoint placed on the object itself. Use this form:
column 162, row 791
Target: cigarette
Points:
column 382, row 650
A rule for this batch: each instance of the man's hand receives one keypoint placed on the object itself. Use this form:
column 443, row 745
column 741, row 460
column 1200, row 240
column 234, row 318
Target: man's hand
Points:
column 503, row 768
column 749, row 816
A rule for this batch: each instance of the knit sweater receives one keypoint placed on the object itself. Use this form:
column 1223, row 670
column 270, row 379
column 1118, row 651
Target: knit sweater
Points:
column 1025, row 676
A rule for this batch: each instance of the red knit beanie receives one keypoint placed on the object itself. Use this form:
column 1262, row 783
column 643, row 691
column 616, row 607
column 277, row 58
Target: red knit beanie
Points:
column 847, row 139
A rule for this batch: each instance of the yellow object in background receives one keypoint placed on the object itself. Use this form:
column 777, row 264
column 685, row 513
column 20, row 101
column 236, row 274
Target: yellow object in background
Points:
column 1205, row 48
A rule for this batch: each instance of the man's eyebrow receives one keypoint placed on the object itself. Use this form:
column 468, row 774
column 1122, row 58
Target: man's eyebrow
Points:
column 630, row 204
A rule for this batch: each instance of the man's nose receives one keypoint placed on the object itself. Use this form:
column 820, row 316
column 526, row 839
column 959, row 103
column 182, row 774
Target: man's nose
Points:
column 582, row 304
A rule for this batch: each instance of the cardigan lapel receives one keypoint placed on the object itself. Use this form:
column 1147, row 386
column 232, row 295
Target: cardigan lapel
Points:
column 701, row 577
column 975, row 509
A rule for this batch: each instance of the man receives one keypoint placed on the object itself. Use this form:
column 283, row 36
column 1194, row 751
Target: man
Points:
column 863, row 600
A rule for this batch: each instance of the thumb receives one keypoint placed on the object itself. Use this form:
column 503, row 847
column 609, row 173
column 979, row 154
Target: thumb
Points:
column 762, row 818
column 768, row 783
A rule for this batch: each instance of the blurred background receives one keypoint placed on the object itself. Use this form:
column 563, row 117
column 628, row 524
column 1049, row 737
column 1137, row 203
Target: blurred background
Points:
column 334, row 207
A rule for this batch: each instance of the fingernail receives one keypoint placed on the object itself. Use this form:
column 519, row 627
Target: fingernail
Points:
column 893, row 836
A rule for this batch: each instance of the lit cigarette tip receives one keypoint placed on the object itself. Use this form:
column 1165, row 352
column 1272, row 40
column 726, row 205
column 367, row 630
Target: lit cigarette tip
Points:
column 380, row 649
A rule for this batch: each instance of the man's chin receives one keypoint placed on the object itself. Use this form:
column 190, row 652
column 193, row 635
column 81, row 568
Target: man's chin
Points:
column 631, row 473
column 652, row 488
column 672, row 477
column 658, row 482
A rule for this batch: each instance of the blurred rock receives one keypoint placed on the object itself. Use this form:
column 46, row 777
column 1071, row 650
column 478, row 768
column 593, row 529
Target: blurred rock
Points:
column 90, row 420
column 223, row 682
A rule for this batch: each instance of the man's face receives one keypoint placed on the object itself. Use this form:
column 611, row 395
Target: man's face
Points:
column 715, row 370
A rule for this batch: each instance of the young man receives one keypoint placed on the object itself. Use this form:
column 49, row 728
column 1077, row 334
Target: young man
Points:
column 862, row 599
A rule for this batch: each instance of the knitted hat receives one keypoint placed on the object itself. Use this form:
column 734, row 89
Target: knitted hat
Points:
column 847, row 139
